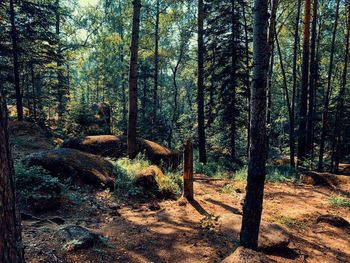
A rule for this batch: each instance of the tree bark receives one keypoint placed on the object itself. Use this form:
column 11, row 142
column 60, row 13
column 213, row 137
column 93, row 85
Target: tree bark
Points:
column 304, row 85
column 338, row 127
column 156, row 69
column 19, row 103
column 271, row 47
column 247, row 72
column 252, row 207
column 61, row 96
column 295, row 58
column 132, row 123
column 233, row 81
column 312, row 82
column 200, row 88
column 10, row 223
column 328, row 91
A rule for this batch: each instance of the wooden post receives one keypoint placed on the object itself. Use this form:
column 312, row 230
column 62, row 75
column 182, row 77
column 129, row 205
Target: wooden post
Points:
column 188, row 170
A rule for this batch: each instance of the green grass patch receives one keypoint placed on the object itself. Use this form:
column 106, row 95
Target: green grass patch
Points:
column 290, row 222
column 168, row 186
column 275, row 174
column 339, row 202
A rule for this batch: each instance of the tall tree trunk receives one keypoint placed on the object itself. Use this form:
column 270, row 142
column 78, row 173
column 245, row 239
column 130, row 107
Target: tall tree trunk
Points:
column 60, row 85
column 19, row 103
column 312, row 82
column 338, row 127
column 304, row 85
column 295, row 58
column 200, row 89
column 271, row 47
column 286, row 92
column 34, row 98
column 11, row 249
column 328, row 90
column 253, row 203
column 233, row 81
column 156, row 69
column 132, row 123
column 246, row 40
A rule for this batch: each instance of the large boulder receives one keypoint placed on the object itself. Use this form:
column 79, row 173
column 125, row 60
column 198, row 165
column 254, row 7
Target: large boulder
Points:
column 329, row 180
column 116, row 146
column 76, row 237
column 245, row 255
column 333, row 220
column 147, row 178
column 80, row 166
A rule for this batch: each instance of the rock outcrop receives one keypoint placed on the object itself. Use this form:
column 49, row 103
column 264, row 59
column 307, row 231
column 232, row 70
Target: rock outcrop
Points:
column 80, row 166
column 116, row 147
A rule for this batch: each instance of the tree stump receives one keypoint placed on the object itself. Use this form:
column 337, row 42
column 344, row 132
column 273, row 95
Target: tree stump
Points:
column 188, row 170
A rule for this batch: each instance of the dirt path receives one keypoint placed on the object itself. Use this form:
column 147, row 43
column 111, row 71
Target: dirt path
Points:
column 204, row 231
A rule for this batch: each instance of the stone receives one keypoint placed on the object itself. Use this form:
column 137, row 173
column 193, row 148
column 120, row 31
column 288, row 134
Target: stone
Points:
column 76, row 237
column 245, row 255
column 333, row 220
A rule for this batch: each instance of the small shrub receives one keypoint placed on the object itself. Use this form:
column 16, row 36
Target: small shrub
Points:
column 230, row 190
column 290, row 222
column 168, row 186
column 34, row 179
column 276, row 174
column 217, row 169
column 126, row 170
column 281, row 174
column 241, row 174
column 339, row 202
column 210, row 221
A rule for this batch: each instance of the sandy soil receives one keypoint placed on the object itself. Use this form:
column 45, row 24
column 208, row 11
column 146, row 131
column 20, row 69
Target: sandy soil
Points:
column 206, row 230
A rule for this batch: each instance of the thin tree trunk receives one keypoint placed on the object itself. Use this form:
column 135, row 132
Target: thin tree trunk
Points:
column 285, row 85
column 19, row 104
column 60, row 85
column 338, row 127
column 11, row 249
column 200, row 89
column 233, row 81
column 247, row 71
column 253, row 203
column 304, row 85
column 132, row 123
column 156, row 69
column 295, row 58
column 328, row 91
column 271, row 45
column 33, row 91
column 312, row 82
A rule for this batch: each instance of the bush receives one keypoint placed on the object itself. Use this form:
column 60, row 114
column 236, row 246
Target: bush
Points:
column 34, row 179
column 276, row 174
column 217, row 169
column 126, row 171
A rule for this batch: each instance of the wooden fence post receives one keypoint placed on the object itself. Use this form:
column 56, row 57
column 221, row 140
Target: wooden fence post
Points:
column 188, row 170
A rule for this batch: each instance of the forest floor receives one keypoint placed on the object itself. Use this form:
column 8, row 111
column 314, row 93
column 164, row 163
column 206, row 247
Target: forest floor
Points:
column 206, row 230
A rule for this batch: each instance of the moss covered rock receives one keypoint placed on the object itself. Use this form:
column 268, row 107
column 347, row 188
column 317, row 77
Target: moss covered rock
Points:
column 80, row 166
column 116, row 146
